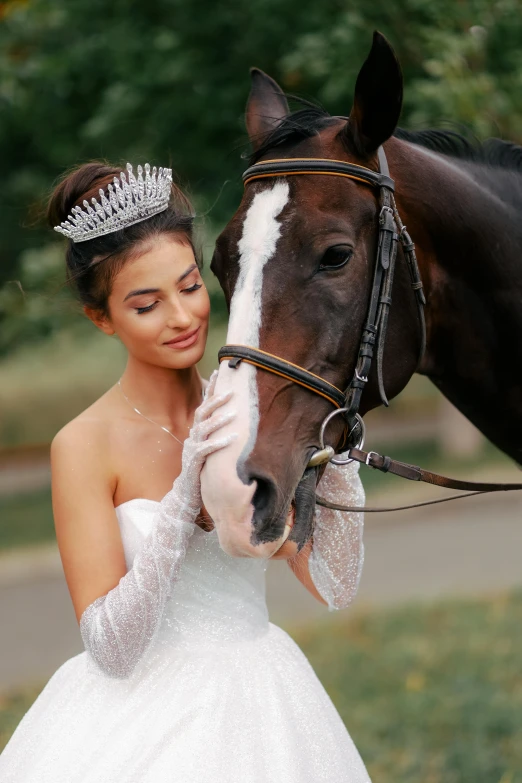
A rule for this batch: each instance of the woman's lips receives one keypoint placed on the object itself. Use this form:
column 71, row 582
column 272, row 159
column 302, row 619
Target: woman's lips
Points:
column 185, row 341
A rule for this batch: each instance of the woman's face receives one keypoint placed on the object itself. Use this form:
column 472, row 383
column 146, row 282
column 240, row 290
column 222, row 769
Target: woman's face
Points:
column 159, row 306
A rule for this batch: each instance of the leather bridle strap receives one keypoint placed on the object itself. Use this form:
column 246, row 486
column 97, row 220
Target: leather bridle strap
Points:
column 374, row 329
column 415, row 473
column 292, row 372
column 284, row 167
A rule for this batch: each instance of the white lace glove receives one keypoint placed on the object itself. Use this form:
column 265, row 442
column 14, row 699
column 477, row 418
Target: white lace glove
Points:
column 337, row 555
column 117, row 628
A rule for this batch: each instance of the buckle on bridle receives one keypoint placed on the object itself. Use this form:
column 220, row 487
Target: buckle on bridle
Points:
column 359, row 445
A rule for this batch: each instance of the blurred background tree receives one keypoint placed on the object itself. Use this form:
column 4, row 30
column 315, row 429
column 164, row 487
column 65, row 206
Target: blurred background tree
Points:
column 167, row 81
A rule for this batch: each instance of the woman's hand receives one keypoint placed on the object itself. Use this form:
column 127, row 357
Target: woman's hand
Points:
column 199, row 445
column 337, row 555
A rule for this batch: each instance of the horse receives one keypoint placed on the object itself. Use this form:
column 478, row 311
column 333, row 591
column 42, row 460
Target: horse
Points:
column 296, row 264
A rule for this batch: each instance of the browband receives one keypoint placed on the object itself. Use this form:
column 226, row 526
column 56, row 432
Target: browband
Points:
column 292, row 372
column 284, row 167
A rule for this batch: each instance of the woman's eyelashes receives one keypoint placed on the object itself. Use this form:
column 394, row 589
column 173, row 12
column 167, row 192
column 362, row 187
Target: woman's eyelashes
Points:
column 194, row 287
column 148, row 308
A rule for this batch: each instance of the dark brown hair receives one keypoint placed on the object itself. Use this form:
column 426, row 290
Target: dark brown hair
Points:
column 93, row 281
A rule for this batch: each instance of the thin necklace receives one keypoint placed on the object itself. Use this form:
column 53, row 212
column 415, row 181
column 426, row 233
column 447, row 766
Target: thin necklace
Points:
column 146, row 417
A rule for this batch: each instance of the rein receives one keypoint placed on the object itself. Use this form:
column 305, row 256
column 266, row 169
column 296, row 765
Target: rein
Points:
column 391, row 232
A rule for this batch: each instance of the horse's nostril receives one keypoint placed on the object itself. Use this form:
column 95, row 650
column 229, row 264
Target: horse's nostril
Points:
column 267, row 525
column 268, row 519
column 263, row 496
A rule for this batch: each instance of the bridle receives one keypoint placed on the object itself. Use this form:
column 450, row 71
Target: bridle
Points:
column 391, row 231
column 371, row 346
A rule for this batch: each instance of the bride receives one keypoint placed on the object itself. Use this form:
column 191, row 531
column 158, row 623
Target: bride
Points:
column 183, row 678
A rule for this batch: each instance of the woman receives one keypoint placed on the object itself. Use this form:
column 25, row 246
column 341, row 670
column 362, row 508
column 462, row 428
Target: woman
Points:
column 183, row 678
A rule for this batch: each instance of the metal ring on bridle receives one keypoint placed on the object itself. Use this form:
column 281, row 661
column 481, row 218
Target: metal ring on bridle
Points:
column 360, row 444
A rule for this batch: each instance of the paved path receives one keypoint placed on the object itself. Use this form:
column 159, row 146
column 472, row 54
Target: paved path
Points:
column 469, row 547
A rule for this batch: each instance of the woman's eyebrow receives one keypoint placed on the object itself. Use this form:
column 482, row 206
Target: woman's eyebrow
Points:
column 140, row 291
column 186, row 273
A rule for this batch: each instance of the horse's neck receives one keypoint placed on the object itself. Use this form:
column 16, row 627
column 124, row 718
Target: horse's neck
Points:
column 470, row 252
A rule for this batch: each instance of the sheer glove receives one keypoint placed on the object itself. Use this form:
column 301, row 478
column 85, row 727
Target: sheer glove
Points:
column 337, row 556
column 117, row 628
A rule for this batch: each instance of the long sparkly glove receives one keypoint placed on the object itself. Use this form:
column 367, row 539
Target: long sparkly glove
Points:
column 117, row 628
column 337, row 555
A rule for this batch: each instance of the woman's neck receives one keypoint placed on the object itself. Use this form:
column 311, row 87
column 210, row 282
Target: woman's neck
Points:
column 163, row 394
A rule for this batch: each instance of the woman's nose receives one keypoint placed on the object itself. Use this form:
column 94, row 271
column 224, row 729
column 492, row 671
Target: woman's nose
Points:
column 180, row 318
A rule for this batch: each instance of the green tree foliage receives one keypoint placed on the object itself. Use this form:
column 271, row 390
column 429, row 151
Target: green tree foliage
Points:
column 37, row 304
column 462, row 61
column 166, row 81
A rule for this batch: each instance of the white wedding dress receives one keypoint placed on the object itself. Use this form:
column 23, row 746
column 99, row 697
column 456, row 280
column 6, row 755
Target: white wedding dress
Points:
column 222, row 695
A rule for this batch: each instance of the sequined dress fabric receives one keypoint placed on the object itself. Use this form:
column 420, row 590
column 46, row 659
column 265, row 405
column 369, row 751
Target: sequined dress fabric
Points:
column 221, row 695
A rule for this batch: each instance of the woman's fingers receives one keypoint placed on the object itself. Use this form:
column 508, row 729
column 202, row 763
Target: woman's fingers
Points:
column 210, row 446
column 209, row 406
column 214, row 423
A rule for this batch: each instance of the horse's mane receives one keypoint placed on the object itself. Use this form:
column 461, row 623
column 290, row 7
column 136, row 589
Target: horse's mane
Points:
column 311, row 119
column 493, row 152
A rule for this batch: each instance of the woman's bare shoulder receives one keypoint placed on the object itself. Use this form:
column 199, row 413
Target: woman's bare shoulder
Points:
column 88, row 435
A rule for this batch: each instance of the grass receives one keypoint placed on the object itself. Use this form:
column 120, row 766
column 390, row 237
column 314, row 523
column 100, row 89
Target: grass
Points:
column 26, row 519
column 13, row 707
column 429, row 694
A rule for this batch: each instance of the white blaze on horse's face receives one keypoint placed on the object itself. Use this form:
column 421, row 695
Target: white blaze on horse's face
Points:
column 225, row 496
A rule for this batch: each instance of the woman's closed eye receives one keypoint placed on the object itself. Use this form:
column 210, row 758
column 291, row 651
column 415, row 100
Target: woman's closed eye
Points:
column 147, row 308
column 192, row 288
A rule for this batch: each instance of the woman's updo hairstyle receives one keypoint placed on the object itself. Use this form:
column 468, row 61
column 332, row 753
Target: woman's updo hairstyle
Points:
column 92, row 265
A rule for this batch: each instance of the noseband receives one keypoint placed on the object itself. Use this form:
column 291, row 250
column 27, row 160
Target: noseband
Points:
column 391, row 231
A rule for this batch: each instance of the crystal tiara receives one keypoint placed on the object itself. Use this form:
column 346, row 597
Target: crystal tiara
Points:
column 128, row 202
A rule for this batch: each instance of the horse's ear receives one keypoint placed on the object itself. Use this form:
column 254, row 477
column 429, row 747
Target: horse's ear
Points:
column 378, row 98
column 266, row 107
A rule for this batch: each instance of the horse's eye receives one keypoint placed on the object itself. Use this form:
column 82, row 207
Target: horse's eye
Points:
column 335, row 257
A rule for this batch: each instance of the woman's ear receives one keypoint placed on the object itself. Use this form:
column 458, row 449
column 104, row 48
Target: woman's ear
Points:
column 100, row 320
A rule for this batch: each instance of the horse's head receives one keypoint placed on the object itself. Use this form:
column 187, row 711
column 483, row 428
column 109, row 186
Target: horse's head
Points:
column 296, row 264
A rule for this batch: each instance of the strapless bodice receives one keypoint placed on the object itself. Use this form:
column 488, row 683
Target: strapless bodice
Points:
column 217, row 597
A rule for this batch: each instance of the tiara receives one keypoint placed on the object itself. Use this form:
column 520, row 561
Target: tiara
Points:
column 130, row 201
